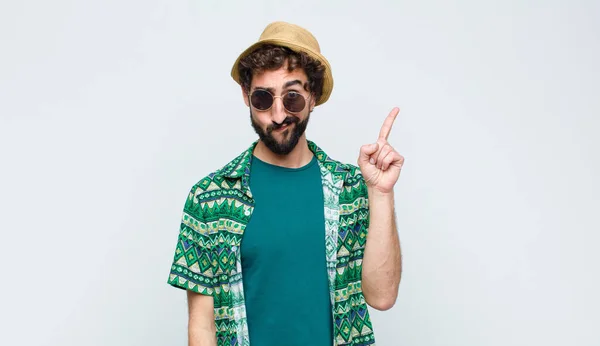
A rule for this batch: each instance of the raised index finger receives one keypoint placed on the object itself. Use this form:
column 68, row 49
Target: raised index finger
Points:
column 387, row 124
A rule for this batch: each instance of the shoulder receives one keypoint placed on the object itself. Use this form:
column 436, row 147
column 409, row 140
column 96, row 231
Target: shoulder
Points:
column 349, row 173
column 354, row 176
column 224, row 178
column 354, row 186
column 354, row 195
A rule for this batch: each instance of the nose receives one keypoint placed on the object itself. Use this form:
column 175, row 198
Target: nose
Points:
column 278, row 111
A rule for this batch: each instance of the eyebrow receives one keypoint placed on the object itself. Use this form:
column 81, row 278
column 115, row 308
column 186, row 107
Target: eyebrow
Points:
column 285, row 86
column 291, row 83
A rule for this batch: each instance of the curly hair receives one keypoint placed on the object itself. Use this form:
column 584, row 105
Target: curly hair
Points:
column 272, row 57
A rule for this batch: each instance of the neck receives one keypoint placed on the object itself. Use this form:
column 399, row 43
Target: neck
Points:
column 298, row 157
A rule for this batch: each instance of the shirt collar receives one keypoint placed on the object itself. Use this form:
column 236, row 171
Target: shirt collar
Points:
column 239, row 168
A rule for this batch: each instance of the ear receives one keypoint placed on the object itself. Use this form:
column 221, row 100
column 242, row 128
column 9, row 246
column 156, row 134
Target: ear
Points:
column 312, row 102
column 245, row 97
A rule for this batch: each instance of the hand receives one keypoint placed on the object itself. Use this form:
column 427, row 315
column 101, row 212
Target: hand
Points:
column 379, row 163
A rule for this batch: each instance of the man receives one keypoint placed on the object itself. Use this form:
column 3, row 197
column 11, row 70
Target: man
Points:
column 284, row 245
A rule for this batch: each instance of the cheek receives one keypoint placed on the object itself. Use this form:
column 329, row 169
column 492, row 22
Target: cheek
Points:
column 261, row 118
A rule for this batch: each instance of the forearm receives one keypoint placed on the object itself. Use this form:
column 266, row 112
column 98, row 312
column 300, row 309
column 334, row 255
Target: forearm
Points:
column 201, row 335
column 382, row 260
column 201, row 320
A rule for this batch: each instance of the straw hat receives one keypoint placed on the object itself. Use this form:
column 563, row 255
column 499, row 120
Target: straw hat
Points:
column 297, row 39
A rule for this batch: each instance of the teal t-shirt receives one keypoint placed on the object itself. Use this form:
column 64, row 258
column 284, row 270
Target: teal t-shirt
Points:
column 283, row 258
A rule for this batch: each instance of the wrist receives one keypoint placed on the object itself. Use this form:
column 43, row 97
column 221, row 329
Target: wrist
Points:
column 376, row 193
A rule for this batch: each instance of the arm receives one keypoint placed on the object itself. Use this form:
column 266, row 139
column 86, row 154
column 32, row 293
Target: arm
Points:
column 382, row 261
column 380, row 165
column 192, row 271
column 201, row 322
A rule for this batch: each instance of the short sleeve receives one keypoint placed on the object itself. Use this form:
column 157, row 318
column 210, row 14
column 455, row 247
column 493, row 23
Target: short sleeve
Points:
column 192, row 267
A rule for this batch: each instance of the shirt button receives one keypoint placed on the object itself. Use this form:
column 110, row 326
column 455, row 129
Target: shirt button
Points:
column 234, row 248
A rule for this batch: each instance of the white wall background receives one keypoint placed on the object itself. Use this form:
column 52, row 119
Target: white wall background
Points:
column 109, row 112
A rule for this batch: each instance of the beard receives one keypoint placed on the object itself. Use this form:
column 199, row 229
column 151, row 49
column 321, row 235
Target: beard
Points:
column 290, row 139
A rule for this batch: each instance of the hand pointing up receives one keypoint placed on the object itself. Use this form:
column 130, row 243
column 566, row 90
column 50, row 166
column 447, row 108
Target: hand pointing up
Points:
column 379, row 163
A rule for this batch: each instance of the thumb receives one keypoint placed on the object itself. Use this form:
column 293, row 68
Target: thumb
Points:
column 366, row 151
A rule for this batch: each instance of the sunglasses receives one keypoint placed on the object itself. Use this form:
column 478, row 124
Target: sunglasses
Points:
column 293, row 101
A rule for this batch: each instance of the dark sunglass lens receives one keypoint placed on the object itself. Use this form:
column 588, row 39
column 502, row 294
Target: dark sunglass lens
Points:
column 261, row 100
column 294, row 102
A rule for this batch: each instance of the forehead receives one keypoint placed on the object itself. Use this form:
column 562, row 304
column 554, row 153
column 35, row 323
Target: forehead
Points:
column 277, row 78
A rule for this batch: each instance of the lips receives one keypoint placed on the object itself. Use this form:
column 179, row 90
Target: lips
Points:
column 282, row 128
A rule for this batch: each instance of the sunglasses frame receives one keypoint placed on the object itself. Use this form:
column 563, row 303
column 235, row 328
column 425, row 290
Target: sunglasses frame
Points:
column 306, row 100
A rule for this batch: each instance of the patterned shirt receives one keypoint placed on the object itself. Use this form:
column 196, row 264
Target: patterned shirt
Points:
column 208, row 261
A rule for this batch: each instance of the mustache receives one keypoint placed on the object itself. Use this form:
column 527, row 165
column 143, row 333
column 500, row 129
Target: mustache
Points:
column 286, row 121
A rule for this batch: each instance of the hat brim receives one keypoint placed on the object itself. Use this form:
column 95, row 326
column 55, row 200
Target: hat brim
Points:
column 327, row 77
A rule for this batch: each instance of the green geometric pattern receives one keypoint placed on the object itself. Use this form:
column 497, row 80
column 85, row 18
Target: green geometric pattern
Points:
column 207, row 257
